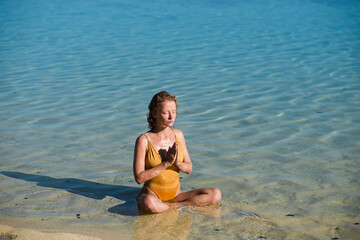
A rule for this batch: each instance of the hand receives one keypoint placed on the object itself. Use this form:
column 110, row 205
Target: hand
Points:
column 172, row 154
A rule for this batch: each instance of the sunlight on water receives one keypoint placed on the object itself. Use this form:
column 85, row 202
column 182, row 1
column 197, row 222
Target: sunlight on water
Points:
column 269, row 105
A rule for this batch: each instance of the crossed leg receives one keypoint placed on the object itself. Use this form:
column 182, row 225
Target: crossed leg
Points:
column 199, row 197
column 149, row 202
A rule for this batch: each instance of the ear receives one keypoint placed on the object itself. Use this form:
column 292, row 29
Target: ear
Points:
column 153, row 113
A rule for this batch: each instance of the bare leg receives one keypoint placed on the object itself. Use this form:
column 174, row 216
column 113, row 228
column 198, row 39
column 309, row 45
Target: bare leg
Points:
column 199, row 197
column 149, row 202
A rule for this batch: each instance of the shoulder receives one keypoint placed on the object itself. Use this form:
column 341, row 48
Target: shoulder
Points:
column 141, row 140
column 178, row 133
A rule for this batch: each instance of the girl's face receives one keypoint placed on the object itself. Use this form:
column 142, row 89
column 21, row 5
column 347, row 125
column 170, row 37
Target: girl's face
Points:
column 166, row 114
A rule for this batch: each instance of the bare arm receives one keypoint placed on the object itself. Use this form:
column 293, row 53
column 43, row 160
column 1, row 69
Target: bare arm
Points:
column 140, row 174
column 186, row 165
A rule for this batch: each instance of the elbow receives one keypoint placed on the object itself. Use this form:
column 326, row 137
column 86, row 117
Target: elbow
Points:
column 139, row 180
column 185, row 168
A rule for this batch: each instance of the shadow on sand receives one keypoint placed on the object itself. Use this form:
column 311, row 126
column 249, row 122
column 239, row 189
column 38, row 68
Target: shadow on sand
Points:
column 88, row 189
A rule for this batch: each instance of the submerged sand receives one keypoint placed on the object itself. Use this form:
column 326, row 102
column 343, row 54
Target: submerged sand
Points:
column 12, row 233
column 251, row 208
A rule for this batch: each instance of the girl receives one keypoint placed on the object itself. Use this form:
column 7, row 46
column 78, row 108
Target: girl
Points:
column 160, row 154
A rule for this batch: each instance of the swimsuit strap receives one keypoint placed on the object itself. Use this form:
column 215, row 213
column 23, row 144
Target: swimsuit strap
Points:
column 148, row 141
column 146, row 136
column 174, row 134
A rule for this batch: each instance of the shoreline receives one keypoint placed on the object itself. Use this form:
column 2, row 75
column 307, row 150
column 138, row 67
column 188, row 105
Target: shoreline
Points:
column 9, row 232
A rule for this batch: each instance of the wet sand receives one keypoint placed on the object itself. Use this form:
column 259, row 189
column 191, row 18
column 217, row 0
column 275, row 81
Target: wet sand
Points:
column 249, row 210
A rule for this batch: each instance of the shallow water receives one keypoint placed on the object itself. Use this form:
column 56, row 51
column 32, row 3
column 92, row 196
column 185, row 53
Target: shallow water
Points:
column 269, row 105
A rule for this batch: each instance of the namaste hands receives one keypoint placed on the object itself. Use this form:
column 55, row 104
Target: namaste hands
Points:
column 171, row 157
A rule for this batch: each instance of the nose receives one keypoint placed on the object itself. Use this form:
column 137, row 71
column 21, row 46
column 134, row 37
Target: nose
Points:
column 172, row 116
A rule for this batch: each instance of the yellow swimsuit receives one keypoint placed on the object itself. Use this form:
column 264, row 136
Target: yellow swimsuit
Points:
column 166, row 184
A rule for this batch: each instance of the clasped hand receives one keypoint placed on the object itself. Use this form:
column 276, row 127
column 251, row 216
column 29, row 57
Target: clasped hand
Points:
column 171, row 157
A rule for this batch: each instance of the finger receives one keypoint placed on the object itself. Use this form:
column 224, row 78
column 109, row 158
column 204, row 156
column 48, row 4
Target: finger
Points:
column 175, row 158
column 173, row 147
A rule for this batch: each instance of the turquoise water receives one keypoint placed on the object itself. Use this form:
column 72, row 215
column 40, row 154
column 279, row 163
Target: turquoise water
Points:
column 269, row 105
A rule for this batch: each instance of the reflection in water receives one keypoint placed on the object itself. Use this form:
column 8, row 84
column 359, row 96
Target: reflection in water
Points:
column 210, row 211
column 166, row 225
column 174, row 224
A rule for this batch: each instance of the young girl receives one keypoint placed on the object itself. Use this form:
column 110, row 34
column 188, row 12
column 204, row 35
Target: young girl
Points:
column 160, row 154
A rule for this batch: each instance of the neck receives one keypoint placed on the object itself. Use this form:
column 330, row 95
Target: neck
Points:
column 161, row 130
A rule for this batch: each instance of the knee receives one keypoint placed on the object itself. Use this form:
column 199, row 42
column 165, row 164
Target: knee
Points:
column 150, row 204
column 147, row 204
column 215, row 195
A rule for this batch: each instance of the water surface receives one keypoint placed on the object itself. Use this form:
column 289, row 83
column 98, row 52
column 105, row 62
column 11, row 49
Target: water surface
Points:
column 269, row 105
